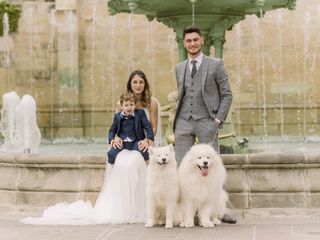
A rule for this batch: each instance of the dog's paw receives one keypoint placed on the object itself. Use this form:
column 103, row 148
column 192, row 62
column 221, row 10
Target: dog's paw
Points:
column 149, row 225
column 216, row 221
column 186, row 224
column 207, row 224
column 168, row 225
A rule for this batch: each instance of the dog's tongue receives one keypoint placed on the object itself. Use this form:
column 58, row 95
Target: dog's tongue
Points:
column 204, row 172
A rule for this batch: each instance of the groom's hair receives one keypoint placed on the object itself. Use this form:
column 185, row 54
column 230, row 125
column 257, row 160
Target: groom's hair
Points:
column 128, row 96
column 191, row 29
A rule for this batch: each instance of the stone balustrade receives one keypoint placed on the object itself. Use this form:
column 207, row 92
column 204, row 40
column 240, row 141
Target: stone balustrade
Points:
column 262, row 180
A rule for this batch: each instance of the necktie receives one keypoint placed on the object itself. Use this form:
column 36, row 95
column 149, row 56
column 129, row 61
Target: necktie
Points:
column 194, row 68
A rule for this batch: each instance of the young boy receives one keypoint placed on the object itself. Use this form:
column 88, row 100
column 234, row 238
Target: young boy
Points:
column 128, row 129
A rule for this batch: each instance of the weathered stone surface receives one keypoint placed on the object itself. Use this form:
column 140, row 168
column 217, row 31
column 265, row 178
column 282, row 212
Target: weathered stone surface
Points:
column 276, row 180
column 237, row 180
column 9, row 177
column 314, row 200
column 279, row 200
column 238, row 200
column 7, row 198
column 255, row 184
column 312, row 179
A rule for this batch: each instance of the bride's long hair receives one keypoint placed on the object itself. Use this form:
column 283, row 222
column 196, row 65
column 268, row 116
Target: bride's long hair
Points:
column 146, row 94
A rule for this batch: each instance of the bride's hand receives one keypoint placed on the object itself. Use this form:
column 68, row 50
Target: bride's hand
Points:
column 116, row 142
column 151, row 143
column 143, row 145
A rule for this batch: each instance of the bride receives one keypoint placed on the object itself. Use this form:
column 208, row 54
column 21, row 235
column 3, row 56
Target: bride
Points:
column 122, row 197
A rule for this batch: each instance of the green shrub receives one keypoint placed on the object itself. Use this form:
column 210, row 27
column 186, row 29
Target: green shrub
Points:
column 13, row 12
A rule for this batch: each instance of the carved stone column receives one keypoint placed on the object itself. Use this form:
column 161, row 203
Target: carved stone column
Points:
column 217, row 37
column 182, row 50
column 207, row 43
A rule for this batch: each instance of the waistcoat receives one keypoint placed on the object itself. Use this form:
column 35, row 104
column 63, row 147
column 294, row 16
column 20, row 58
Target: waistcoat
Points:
column 127, row 129
column 192, row 102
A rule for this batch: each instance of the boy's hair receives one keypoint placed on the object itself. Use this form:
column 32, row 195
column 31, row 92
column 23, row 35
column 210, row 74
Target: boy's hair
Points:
column 128, row 96
column 191, row 29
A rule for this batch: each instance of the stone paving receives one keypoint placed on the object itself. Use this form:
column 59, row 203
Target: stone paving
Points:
column 255, row 224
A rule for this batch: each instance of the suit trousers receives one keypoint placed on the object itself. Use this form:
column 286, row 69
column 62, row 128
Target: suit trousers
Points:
column 187, row 131
column 113, row 152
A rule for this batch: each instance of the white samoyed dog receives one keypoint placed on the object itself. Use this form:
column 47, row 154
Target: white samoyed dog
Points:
column 201, row 179
column 162, row 189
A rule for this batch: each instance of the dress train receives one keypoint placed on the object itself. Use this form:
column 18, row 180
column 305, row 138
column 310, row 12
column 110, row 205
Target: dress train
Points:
column 121, row 200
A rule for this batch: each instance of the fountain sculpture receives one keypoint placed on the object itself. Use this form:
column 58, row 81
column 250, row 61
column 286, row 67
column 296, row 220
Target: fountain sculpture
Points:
column 19, row 124
column 214, row 18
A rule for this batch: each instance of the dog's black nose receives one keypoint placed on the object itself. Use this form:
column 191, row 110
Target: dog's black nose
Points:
column 164, row 159
column 205, row 163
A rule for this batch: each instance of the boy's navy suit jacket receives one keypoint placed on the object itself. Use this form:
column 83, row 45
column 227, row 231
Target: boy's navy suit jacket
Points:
column 141, row 123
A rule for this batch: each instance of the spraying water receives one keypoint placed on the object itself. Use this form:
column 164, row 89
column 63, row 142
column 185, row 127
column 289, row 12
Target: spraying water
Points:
column 92, row 64
column 19, row 124
column 27, row 133
column 130, row 29
column 50, row 54
column 7, row 125
column 6, row 29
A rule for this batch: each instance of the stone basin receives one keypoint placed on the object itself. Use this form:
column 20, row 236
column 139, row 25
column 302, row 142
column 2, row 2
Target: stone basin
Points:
column 260, row 180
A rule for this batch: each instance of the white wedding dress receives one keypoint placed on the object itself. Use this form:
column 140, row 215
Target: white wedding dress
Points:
column 121, row 199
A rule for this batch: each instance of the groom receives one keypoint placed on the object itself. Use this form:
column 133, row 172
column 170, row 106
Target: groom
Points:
column 204, row 98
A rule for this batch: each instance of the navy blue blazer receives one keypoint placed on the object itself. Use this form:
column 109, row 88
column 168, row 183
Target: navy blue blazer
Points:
column 141, row 123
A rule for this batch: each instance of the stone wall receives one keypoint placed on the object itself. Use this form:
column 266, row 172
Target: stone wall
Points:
column 76, row 60
column 262, row 180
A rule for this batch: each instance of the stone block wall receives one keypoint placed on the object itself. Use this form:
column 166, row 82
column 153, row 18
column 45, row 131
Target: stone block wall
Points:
column 273, row 180
column 263, row 180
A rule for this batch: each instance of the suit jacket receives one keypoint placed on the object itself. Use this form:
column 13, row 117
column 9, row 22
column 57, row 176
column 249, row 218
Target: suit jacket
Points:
column 141, row 123
column 216, row 90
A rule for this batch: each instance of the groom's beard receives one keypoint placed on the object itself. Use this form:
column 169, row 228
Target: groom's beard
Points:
column 194, row 54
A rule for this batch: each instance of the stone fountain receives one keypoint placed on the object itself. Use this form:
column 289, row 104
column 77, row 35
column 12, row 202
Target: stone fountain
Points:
column 214, row 18
column 254, row 180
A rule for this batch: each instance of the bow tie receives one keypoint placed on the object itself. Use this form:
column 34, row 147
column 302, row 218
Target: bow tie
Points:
column 123, row 116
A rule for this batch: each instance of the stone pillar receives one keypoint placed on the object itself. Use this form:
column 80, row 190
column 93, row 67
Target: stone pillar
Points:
column 206, row 46
column 69, row 119
column 218, row 46
column 182, row 50
column 217, row 37
column 207, row 42
column 68, row 52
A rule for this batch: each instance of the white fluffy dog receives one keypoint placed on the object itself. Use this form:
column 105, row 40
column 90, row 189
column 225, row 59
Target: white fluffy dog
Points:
column 162, row 186
column 201, row 178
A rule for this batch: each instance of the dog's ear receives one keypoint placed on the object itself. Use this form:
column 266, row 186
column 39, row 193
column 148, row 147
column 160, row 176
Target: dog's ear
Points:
column 171, row 148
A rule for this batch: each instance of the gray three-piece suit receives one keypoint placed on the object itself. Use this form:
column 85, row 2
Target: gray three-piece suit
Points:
column 201, row 99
